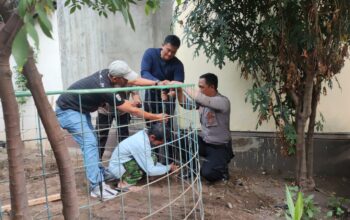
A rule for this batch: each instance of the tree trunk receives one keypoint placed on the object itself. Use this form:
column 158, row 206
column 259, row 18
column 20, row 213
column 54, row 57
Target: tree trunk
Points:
column 310, row 135
column 7, row 7
column 303, row 112
column 301, row 173
column 15, row 146
column 56, row 138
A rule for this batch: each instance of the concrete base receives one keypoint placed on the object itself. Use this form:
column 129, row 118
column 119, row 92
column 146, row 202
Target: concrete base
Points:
column 261, row 151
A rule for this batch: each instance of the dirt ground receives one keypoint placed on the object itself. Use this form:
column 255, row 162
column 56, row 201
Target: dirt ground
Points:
column 254, row 195
column 247, row 195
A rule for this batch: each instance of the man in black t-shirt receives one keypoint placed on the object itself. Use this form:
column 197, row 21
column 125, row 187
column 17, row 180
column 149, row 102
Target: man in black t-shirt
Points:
column 73, row 113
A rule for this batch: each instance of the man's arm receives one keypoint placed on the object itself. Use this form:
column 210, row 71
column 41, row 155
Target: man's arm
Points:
column 185, row 96
column 136, row 99
column 219, row 103
column 179, row 74
column 127, row 107
column 145, row 161
column 146, row 66
column 142, row 82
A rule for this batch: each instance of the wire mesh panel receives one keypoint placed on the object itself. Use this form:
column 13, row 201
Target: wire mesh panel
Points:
column 175, row 194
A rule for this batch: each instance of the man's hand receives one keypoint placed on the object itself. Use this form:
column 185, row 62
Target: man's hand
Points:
column 136, row 99
column 173, row 167
column 164, row 82
column 172, row 93
column 173, row 90
column 191, row 92
column 175, row 82
column 161, row 116
column 136, row 104
column 164, row 96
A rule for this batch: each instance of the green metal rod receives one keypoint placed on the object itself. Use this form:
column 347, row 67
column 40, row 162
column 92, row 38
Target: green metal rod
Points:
column 108, row 90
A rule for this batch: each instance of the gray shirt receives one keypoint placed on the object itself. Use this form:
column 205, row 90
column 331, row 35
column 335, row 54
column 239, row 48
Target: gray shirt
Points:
column 214, row 115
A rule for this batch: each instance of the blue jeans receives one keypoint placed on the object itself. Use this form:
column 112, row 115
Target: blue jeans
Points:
column 80, row 126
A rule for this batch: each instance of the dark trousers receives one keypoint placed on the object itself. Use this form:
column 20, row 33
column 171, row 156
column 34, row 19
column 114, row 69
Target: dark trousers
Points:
column 104, row 122
column 154, row 104
column 216, row 160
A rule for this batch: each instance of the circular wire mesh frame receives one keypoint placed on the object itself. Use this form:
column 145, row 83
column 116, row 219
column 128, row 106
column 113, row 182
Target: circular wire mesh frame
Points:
column 176, row 195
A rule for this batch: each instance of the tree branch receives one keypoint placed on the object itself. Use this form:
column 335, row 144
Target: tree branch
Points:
column 7, row 7
column 294, row 96
column 8, row 33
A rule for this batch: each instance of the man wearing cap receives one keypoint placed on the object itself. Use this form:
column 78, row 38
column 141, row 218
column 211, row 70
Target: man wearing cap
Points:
column 73, row 113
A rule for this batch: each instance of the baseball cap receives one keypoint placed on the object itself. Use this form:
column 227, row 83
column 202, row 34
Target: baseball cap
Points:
column 119, row 68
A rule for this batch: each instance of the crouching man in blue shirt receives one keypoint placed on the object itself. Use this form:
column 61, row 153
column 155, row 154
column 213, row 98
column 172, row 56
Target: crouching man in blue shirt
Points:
column 133, row 158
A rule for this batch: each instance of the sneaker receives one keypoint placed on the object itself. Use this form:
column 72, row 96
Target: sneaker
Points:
column 107, row 192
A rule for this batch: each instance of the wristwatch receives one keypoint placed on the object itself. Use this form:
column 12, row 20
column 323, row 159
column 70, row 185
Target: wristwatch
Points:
column 157, row 81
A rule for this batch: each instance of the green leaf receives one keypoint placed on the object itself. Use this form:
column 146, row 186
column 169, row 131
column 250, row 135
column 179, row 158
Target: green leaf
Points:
column 132, row 24
column 147, row 9
column 44, row 22
column 44, row 29
column 287, row 217
column 125, row 14
column 72, row 9
column 66, row 3
column 22, row 6
column 178, row 2
column 299, row 207
column 33, row 34
column 20, row 47
column 150, row 4
column 114, row 4
column 329, row 214
column 310, row 214
column 49, row 6
column 290, row 202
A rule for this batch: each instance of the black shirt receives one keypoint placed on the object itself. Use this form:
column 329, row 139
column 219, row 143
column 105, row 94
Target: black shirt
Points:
column 90, row 102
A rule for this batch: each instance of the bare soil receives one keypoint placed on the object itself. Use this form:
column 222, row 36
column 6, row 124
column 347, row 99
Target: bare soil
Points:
column 247, row 195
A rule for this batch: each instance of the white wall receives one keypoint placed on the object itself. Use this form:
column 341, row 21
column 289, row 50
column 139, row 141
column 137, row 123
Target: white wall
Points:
column 48, row 58
column 335, row 106
column 49, row 61
column 88, row 43
column 49, row 65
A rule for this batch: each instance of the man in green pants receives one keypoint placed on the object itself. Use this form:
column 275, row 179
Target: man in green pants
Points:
column 133, row 158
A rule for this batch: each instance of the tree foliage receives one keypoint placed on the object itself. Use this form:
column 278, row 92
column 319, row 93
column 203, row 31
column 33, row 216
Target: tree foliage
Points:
column 290, row 49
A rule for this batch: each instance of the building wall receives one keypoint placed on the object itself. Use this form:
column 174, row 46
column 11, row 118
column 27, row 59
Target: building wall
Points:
column 261, row 151
column 89, row 43
column 335, row 106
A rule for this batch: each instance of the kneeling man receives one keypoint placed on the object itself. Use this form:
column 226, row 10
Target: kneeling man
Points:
column 133, row 158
